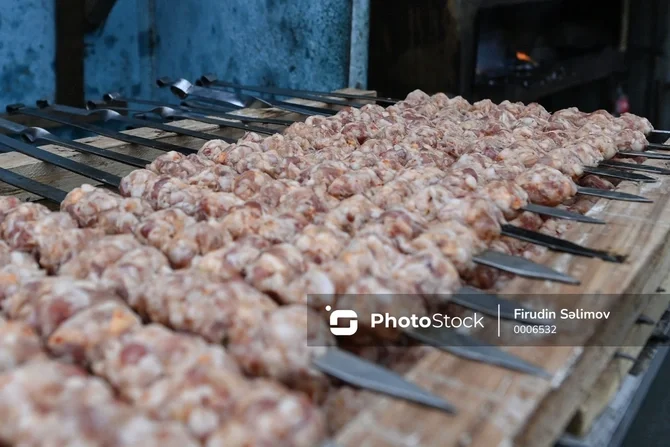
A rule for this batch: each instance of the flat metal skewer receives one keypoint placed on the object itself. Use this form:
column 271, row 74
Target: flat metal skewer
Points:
column 62, row 162
column 645, row 154
column 622, row 175
column 37, row 135
column 558, row 244
column 560, row 213
column 111, row 115
column 635, row 167
column 184, row 89
column 112, row 97
column 658, row 146
column 612, row 195
column 120, row 136
column 522, row 267
column 282, row 92
column 211, row 79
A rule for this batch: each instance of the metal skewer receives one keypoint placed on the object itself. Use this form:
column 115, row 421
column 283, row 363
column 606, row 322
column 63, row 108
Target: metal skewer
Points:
column 613, row 195
column 522, row 267
column 37, row 135
column 622, row 175
column 61, row 162
column 560, row 213
column 211, row 79
column 280, row 92
column 658, row 146
column 120, row 136
column 645, row 154
column 117, row 97
column 111, row 115
column 184, row 89
column 168, row 114
column 635, row 167
column 557, row 244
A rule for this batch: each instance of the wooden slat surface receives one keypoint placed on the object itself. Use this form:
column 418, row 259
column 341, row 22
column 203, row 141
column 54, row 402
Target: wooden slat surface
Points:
column 496, row 407
column 503, row 408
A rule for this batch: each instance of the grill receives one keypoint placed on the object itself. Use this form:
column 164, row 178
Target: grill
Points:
column 465, row 368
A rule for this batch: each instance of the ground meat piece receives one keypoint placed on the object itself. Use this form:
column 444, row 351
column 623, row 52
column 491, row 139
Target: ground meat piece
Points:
column 250, row 183
column 323, row 173
column 354, row 182
column 393, row 194
column 178, row 165
column 197, row 239
column 15, row 268
column 97, row 256
column 215, row 265
column 134, row 361
column 240, row 254
column 269, row 162
column 428, row 202
column 18, row 226
column 319, row 243
column 303, row 201
column 456, row 241
column 508, row 196
column 46, row 303
column 138, row 183
column 131, row 274
column 268, row 416
column 283, row 347
column 168, row 192
column 480, row 214
column 431, row 274
column 191, row 302
column 56, row 248
column 160, row 227
column 243, row 220
column 7, row 203
column 593, row 181
column 216, row 205
column 282, row 145
column 19, row 344
column 351, row 214
column 313, row 288
column 213, row 149
column 282, row 228
column 77, row 338
column 216, row 178
column 546, row 186
column 275, row 268
column 122, row 220
column 270, row 194
column 201, row 398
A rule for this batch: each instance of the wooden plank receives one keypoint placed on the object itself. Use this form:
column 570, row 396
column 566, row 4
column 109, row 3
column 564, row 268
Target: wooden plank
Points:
column 67, row 181
column 616, row 371
column 502, row 408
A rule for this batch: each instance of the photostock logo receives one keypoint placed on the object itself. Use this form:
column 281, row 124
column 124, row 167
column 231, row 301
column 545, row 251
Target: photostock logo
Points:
column 336, row 315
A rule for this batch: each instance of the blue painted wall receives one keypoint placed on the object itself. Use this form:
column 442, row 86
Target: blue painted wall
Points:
column 27, row 48
column 289, row 43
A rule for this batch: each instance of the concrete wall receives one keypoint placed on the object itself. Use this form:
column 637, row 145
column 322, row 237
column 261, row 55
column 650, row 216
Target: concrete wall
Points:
column 289, row 43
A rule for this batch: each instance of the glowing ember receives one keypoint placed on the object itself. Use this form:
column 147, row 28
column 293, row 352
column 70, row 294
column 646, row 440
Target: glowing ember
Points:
column 524, row 57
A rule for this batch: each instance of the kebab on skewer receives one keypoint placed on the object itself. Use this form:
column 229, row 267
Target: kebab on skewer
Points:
column 67, row 341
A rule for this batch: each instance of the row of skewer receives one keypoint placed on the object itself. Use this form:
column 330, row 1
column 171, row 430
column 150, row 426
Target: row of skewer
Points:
column 217, row 107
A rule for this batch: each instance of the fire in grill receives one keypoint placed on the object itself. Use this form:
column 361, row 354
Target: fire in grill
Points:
column 361, row 207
